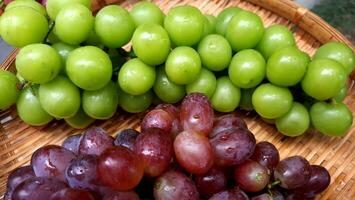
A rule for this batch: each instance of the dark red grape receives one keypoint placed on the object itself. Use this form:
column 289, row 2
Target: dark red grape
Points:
column 72, row 143
column 155, row 149
column 233, row 146
column 276, row 194
column 193, row 152
column 16, row 177
column 126, row 138
column 196, row 114
column 95, row 141
column 157, row 118
column 173, row 185
column 116, row 195
column 51, row 161
column 293, row 172
column 37, row 188
column 264, row 196
column 231, row 194
column 297, row 196
column 211, row 182
column 251, row 176
column 226, row 122
column 71, row 194
column 317, row 183
column 266, row 154
column 174, row 114
column 120, row 168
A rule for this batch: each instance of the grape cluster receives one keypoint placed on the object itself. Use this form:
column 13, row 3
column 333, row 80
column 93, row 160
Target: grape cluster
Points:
column 74, row 66
column 181, row 153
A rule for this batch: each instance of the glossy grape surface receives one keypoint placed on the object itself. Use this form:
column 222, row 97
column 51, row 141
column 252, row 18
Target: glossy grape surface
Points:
column 251, row 176
column 71, row 194
column 95, row 141
column 54, row 6
column 226, row 122
column 223, row 19
column 266, row 155
column 234, row 193
column 226, row 97
column 146, row 12
column 211, row 182
column 8, row 86
column 116, row 195
column 159, row 119
column 80, row 120
column 126, row 138
column 71, row 143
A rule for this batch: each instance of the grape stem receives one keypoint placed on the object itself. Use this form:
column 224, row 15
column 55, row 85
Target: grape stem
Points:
column 271, row 185
column 51, row 26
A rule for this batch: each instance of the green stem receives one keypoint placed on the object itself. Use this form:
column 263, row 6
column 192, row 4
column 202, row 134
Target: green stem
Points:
column 51, row 27
column 270, row 186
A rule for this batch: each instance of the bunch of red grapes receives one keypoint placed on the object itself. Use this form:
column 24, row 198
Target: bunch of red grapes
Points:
column 179, row 155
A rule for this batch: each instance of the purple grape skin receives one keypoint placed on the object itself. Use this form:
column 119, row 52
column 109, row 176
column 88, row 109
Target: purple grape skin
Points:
column 226, row 122
column 95, row 141
column 37, row 188
column 235, row 194
column 296, row 196
column 174, row 114
column 72, row 143
column 251, row 176
column 126, row 138
column 266, row 155
column 211, row 182
column 71, row 194
column 51, row 161
column 174, row 185
column 233, row 146
column 157, row 118
column 276, row 194
column 292, row 172
column 18, row 176
column 116, row 195
column 264, row 196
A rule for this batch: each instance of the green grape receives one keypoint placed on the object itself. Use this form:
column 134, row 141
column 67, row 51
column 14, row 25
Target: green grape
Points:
column 215, row 52
column 151, row 44
column 223, row 19
column 246, row 99
column 93, row 40
column 333, row 119
column 114, row 26
column 63, row 50
column 146, row 12
column 226, row 97
column 8, row 87
column 60, row 97
column 342, row 94
column 323, row 79
column 38, row 63
column 247, row 68
column 20, row 78
column 271, row 101
column 135, row 77
column 26, row 3
column 339, row 52
column 165, row 89
column 295, row 122
column 80, row 120
column 22, row 26
column 101, row 103
column 275, row 37
column 135, row 104
column 52, row 38
column 287, row 66
column 54, row 6
column 205, row 84
column 244, row 31
column 74, row 24
column 183, row 65
column 29, row 108
column 89, row 68
column 184, row 25
column 209, row 24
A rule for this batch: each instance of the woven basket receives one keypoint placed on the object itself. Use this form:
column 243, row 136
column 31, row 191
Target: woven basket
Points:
column 18, row 141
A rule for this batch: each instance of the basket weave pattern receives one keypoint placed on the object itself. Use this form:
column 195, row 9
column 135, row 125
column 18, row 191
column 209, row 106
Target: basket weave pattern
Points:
column 18, row 141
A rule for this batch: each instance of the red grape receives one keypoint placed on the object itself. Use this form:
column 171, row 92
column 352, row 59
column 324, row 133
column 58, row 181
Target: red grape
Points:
column 174, row 185
column 293, row 172
column 266, row 155
column 264, row 196
column 37, row 188
column 95, row 141
column 174, row 114
column 157, row 118
column 120, row 168
column 211, row 182
column 72, row 143
column 196, row 114
column 155, row 148
column 116, row 195
column 226, row 122
column 251, row 176
column 193, row 152
column 16, row 177
column 233, row 146
column 235, row 194
column 71, row 194
column 126, row 138
column 51, row 161
column 276, row 194
column 297, row 196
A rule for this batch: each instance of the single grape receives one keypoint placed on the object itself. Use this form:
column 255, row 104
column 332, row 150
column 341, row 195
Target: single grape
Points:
column 63, row 50
column 159, row 119
column 247, row 68
column 251, row 176
column 95, row 141
column 292, row 172
column 223, row 19
column 114, row 26
column 135, row 104
column 342, row 94
column 233, row 146
column 275, row 38
column 211, row 182
column 266, row 155
column 215, row 52
column 234, row 193
column 226, row 122
column 51, row 161
column 146, row 12
column 80, row 120
column 116, row 195
column 71, row 194
column 226, row 97
column 38, row 63
column 54, row 6
column 246, row 99
column 175, row 114
column 8, row 87
column 196, row 114
column 16, row 177
column 184, row 25
column 209, row 24
column 26, row 3
column 126, row 138
column 174, row 185
column 264, row 196
column 71, row 143
column 205, row 84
